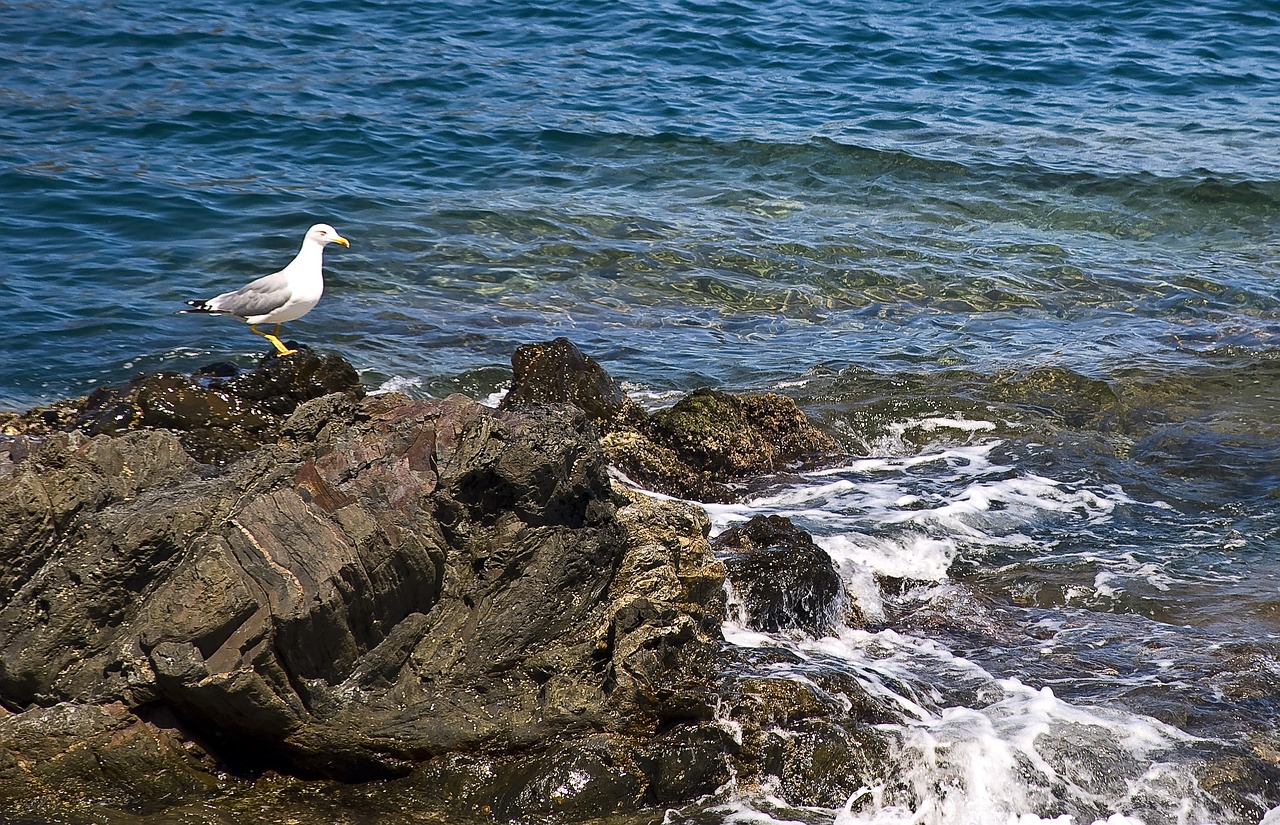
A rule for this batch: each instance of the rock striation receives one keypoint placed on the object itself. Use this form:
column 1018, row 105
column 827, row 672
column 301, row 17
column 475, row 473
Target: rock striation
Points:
column 209, row 581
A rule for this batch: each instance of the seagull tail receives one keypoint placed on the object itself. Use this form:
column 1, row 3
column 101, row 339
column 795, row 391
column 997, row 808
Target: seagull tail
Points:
column 201, row 306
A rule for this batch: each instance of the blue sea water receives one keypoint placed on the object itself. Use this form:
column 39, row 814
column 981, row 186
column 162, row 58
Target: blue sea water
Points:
column 894, row 211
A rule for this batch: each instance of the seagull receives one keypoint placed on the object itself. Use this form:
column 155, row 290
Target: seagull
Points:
column 282, row 296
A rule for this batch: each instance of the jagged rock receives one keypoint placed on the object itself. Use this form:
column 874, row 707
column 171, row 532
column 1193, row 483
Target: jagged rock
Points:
column 279, row 606
column 738, row 436
column 695, row 450
column 367, row 587
column 783, row 578
column 69, row 761
column 380, row 583
column 711, row 439
column 557, row 372
column 219, row 412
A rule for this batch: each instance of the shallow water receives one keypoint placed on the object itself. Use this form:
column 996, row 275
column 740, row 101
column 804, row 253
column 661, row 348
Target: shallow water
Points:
column 1021, row 257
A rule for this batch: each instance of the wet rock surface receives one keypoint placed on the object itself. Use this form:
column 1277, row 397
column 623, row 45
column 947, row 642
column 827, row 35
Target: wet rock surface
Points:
column 219, row 413
column 220, row 590
column 784, row 580
column 697, row 449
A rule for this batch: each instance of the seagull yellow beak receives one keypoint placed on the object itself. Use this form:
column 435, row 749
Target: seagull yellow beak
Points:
column 342, row 241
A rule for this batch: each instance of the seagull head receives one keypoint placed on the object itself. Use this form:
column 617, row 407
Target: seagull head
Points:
column 323, row 233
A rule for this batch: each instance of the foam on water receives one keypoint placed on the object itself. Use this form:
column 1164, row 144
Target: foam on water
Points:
column 397, row 383
column 972, row 746
column 881, row 514
column 1015, row 753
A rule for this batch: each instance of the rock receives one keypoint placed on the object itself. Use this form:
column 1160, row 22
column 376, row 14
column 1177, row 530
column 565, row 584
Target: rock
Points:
column 695, row 450
column 219, row 412
column 383, row 582
column 689, row 761
column 667, row 604
column 657, row 467
column 784, row 580
column 710, row 439
column 817, row 740
column 572, row 782
column 224, row 571
column 69, row 761
column 557, row 372
column 738, row 436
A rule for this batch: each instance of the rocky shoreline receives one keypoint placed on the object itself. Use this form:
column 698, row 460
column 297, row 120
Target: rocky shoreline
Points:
column 267, row 591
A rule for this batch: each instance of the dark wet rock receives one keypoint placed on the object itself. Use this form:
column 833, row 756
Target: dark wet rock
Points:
column 689, row 761
column 70, row 761
column 783, row 579
column 738, row 436
column 588, row 778
column 695, row 450
column 820, row 763
column 557, row 372
column 219, row 413
column 815, row 740
column 1235, row 781
column 711, row 439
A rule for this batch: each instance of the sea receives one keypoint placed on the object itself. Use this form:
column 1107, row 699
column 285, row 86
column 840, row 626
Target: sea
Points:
column 1021, row 257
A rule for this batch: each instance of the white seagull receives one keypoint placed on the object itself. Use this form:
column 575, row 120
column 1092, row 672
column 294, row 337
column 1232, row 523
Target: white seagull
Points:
column 282, row 296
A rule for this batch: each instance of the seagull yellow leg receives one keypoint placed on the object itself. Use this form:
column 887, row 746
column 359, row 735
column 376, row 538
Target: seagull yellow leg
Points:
column 281, row 349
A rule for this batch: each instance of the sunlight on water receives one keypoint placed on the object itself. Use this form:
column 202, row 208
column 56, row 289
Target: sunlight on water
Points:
column 1019, row 258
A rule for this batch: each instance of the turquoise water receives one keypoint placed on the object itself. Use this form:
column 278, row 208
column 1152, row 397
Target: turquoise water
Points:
column 897, row 212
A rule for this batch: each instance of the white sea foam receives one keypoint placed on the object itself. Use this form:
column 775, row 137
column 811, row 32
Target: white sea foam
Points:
column 397, row 383
column 971, row 746
column 908, row 556
column 1019, row 755
column 648, row 397
column 885, row 516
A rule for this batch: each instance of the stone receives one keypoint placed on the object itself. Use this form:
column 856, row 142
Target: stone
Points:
column 695, row 450
column 738, row 436
column 784, row 580
column 219, row 413
column 557, row 372
column 378, row 583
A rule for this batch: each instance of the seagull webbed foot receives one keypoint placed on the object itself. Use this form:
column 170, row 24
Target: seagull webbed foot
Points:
column 281, row 349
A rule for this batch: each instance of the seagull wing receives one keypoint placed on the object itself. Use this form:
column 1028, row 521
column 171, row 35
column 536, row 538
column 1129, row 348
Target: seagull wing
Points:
column 259, row 297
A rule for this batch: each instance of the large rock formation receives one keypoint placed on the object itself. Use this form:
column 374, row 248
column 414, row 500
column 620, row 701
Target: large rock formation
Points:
column 349, row 588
